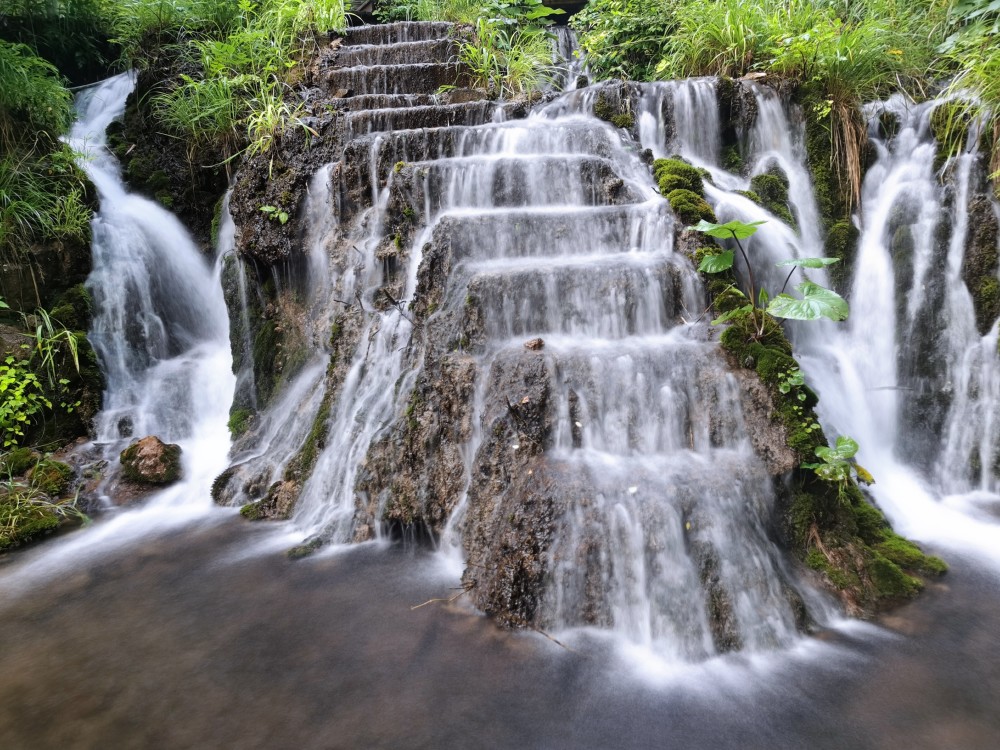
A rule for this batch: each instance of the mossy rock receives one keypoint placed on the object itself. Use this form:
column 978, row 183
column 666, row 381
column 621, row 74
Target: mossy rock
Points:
column 950, row 125
column 151, row 461
column 841, row 242
column 253, row 511
column 690, row 207
column 732, row 159
column 51, row 477
column 17, row 461
column 239, row 421
column 772, row 191
column 674, row 174
column 607, row 109
column 26, row 529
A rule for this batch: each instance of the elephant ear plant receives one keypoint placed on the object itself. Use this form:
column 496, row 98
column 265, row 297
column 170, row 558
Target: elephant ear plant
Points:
column 815, row 302
column 835, row 464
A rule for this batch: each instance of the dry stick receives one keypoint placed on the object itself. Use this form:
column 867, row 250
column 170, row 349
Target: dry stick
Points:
column 449, row 600
column 397, row 304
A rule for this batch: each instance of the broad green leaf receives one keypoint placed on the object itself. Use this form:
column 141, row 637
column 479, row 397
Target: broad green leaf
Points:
column 817, row 302
column 716, row 263
column 809, row 262
column 730, row 230
column 729, row 315
column 846, row 446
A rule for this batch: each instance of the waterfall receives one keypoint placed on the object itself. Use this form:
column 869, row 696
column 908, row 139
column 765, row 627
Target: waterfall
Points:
column 160, row 326
column 908, row 376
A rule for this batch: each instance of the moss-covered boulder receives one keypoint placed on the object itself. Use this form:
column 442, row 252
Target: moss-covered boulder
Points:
column 674, row 174
column 771, row 189
column 690, row 207
column 151, row 461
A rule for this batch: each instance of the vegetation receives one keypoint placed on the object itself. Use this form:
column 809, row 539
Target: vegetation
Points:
column 840, row 54
column 247, row 56
column 511, row 51
column 457, row 11
column 970, row 52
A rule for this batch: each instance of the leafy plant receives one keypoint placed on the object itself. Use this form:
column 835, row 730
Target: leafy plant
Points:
column 275, row 214
column 816, row 302
column 837, row 464
column 511, row 52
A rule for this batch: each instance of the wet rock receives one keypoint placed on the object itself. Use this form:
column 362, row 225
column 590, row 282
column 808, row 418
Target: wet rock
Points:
column 534, row 345
column 512, row 501
column 150, row 461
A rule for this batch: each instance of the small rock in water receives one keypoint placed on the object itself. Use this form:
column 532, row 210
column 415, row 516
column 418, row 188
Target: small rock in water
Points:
column 534, row 344
column 151, row 461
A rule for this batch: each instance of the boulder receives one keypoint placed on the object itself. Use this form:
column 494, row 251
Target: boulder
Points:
column 151, row 461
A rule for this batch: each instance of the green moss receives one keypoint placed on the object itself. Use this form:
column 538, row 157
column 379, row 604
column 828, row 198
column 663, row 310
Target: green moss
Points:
column 889, row 580
column 841, row 242
column 398, row 167
column 842, row 579
column 732, row 159
column 239, row 421
column 27, row 529
column 986, row 301
column 606, row 110
column 625, row 121
column 690, row 207
column 908, row 556
column 17, row 461
column 772, row 191
column 950, row 124
column 253, row 511
column 304, row 550
column 681, row 176
column 51, row 477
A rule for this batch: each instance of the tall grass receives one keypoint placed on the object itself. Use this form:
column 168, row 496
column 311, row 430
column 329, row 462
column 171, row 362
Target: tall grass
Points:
column 33, row 101
column 971, row 54
column 247, row 63
column 840, row 52
column 457, row 11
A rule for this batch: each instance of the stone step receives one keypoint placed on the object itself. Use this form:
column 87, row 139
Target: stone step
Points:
column 386, row 101
column 644, row 229
column 605, row 297
column 508, row 181
column 375, row 157
column 401, row 31
column 424, row 78
column 641, row 396
column 420, row 117
column 402, row 53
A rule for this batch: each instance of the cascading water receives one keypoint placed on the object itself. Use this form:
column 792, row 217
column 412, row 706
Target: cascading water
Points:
column 556, row 233
column 908, row 376
column 160, row 326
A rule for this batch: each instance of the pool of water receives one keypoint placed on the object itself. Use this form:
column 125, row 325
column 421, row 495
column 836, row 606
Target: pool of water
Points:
column 206, row 636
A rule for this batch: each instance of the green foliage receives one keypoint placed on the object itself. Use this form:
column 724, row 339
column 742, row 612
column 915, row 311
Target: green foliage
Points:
column 511, row 52
column 457, row 11
column 33, row 101
column 22, row 397
column 817, row 302
column 836, row 464
column 275, row 214
column 716, row 263
column 29, row 509
column 248, row 54
column 971, row 54
column 624, row 38
column 29, row 378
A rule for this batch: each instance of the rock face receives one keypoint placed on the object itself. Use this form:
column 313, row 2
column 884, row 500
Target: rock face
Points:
column 151, row 461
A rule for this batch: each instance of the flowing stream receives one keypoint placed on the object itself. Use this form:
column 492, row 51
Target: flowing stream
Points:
column 671, row 615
